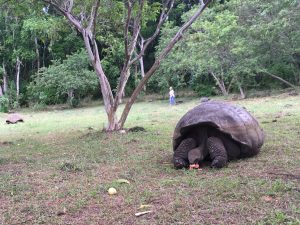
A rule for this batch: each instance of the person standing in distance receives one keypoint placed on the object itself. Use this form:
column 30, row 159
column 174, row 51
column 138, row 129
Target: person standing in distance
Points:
column 172, row 96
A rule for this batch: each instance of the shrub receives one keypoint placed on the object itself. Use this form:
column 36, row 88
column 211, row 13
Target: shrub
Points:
column 4, row 104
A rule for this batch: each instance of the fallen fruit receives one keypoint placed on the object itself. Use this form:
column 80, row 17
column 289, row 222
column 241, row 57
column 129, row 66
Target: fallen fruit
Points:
column 112, row 191
column 194, row 166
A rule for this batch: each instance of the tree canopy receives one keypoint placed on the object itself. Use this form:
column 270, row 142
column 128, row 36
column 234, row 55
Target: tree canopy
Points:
column 235, row 45
column 68, row 80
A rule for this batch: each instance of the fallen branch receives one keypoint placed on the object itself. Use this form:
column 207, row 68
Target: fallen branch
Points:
column 142, row 213
column 281, row 79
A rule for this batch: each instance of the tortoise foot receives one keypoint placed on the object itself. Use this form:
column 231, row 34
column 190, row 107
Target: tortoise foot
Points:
column 180, row 163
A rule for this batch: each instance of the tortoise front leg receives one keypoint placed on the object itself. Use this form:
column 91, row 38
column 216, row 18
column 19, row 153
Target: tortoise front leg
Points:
column 180, row 157
column 217, row 152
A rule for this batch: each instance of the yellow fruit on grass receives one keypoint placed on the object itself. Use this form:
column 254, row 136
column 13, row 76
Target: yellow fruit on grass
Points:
column 112, row 191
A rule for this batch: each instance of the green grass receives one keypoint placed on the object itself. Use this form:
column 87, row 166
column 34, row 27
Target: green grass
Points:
column 56, row 168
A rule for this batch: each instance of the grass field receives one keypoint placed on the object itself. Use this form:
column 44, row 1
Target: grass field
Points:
column 56, row 168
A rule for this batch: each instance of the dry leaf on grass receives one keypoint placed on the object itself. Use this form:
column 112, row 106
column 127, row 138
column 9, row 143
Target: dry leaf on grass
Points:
column 123, row 181
column 142, row 213
column 145, row 206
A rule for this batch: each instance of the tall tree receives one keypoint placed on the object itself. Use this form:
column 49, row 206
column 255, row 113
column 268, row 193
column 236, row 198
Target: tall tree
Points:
column 133, row 17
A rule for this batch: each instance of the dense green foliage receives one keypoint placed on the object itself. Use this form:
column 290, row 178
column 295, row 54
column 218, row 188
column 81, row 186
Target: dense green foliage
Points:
column 33, row 38
column 66, row 81
column 4, row 104
column 235, row 47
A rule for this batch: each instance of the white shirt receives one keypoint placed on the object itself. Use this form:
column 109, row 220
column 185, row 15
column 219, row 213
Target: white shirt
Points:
column 171, row 93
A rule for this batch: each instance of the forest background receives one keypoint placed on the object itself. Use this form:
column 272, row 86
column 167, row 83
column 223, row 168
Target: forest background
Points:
column 235, row 47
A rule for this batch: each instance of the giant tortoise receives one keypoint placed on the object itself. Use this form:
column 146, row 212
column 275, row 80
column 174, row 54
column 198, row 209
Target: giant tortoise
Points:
column 215, row 131
column 14, row 118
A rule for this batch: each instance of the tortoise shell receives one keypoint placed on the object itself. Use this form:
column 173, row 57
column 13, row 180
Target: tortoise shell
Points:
column 233, row 120
column 14, row 118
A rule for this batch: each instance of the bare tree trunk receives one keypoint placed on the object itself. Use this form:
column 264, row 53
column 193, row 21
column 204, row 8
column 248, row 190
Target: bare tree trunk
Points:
column 18, row 66
column 241, row 91
column 142, row 70
column 220, row 84
column 230, row 84
column 1, row 92
column 37, row 52
column 279, row 78
column 223, row 88
column 44, row 54
column 141, row 60
column 5, row 83
column 107, row 95
column 142, row 67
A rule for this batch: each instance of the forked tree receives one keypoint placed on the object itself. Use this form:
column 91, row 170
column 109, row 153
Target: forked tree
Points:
column 85, row 21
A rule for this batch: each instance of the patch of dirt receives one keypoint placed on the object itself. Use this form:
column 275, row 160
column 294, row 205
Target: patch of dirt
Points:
column 6, row 143
column 91, row 134
column 5, row 202
column 133, row 141
column 286, row 175
column 166, row 161
column 293, row 93
column 115, row 209
column 70, row 167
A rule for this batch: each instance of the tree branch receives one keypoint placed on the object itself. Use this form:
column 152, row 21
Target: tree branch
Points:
column 93, row 18
column 129, row 51
column 218, row 81
column 157, row 62
column 67, row 14
column 69, row 6
column 126, row 27
column 136, row 29
column 163, row 17
column 279, row 78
